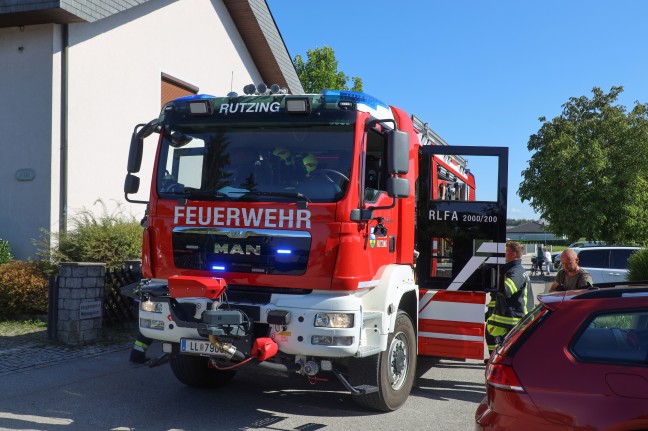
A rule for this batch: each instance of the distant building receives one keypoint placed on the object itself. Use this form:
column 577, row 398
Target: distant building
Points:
column 78, row 75
column 533, row 231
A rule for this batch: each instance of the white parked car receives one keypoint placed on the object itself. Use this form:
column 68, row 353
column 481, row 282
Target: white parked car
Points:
column 581, row 244
column 606, row 264
column 578, row 244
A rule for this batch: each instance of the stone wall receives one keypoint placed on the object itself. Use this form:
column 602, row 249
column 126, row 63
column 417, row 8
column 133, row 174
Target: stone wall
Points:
column 80, row 302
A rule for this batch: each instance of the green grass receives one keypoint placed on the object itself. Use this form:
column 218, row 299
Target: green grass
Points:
column 21, row 327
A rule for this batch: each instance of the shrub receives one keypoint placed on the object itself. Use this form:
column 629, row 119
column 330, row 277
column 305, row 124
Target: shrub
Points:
column 23, row 289
column 638, row 266
column 109, row 238
column 5, row 251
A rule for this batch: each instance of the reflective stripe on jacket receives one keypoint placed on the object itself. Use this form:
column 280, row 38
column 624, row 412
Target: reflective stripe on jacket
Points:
column 514, row 297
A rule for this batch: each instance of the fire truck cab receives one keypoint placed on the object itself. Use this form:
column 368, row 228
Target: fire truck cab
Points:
column 322, row 234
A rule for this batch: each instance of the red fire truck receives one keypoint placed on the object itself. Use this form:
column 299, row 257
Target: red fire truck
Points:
column 325, row 235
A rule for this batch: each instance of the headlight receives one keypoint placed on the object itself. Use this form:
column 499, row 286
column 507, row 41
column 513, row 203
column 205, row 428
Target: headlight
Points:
column 334, row 320
column 150, row 306
column 152, row 324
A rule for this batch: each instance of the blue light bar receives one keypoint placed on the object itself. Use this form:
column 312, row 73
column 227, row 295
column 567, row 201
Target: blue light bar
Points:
column 196, row 97
column 354, row 96
column 218, row 267
column 284, row 251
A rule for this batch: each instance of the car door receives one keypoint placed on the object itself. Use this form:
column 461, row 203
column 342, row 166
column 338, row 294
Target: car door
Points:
column 611, row 353
column 619, row 264
column 597, row 263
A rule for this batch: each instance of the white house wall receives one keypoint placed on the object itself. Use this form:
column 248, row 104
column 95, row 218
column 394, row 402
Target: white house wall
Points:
column 115, row 67
column 26, row 130
column 114, row 75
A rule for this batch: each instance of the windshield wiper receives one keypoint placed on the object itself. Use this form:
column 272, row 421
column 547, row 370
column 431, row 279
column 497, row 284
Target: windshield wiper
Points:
column 299, row 197
column 191, row 193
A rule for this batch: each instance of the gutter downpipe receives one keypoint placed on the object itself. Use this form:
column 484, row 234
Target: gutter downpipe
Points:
column 64, row 131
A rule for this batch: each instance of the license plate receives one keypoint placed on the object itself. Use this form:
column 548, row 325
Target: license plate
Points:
column 199, row 347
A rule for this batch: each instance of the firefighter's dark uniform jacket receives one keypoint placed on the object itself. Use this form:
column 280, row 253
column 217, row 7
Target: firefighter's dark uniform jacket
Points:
column 513, row 301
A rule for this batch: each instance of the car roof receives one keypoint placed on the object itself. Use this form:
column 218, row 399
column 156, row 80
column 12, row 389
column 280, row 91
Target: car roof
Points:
column 633, row 289
column 607, row 247
column 586, row 244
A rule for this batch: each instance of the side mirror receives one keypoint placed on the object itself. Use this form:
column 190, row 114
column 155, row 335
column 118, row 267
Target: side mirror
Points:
column 398, row 152
column 135, row 154
column 137, row 144
column 398, row 187
column 131, row 184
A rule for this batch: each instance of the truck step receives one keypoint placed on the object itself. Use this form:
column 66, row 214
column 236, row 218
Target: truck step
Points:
column 355, row 390
column 366, row 389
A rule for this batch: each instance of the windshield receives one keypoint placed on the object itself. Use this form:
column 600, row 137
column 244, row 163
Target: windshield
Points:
column 305, row 163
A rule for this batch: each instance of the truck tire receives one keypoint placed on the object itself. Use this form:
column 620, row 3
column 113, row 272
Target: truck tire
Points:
column 392, row 371
column 193, row 371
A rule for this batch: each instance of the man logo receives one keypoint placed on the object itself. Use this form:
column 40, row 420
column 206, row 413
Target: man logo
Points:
column 242, row 249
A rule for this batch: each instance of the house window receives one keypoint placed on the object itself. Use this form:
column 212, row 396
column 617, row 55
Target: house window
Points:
column 172, row 88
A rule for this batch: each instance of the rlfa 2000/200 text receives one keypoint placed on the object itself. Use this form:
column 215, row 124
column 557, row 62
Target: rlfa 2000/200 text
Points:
column 454, row 216
column 479, row 218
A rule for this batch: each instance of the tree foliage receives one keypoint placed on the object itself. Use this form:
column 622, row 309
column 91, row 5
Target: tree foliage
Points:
column 517, row 221
column 5, row 251
column 638, row 266
column 320, row 72
column 588, row 175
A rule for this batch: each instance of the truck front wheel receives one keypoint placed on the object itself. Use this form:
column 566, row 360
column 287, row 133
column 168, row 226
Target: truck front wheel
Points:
column 391, row 371
column 194, row 371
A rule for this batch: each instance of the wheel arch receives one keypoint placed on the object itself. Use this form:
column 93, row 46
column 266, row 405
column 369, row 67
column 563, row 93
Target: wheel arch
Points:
column 409, row 304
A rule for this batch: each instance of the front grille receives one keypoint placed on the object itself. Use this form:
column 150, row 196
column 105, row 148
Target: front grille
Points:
column 256, row 251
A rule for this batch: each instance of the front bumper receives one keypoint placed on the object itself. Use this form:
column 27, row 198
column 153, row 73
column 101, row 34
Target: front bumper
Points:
column 294, row 337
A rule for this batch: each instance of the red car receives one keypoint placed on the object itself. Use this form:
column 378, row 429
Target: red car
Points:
column 578, row 361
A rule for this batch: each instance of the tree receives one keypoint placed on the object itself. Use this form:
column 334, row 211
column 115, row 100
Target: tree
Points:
column 588, row 175
column 320, row 72
column 517, row 222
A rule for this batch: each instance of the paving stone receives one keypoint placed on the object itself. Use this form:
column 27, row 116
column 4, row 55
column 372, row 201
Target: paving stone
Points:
column 21, row 352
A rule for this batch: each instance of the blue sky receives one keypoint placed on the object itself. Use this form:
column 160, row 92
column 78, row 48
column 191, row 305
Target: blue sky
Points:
column 479, row 72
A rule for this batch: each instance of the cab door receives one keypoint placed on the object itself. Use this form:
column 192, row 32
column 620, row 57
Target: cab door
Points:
column 461, row 239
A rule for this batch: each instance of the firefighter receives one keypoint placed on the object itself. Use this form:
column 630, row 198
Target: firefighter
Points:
column 514, row 296
column 310, row 164
column 138, row 352
column 293, row 169
column 491, row 342
column 284, row 155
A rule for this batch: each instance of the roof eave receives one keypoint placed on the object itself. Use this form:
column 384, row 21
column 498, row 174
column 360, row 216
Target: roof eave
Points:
column 263, row 40
column 35, row 17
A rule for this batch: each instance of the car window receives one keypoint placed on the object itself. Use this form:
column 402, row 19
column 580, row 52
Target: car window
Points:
column 619, row 258
column 614, row 337
column 593, row 258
